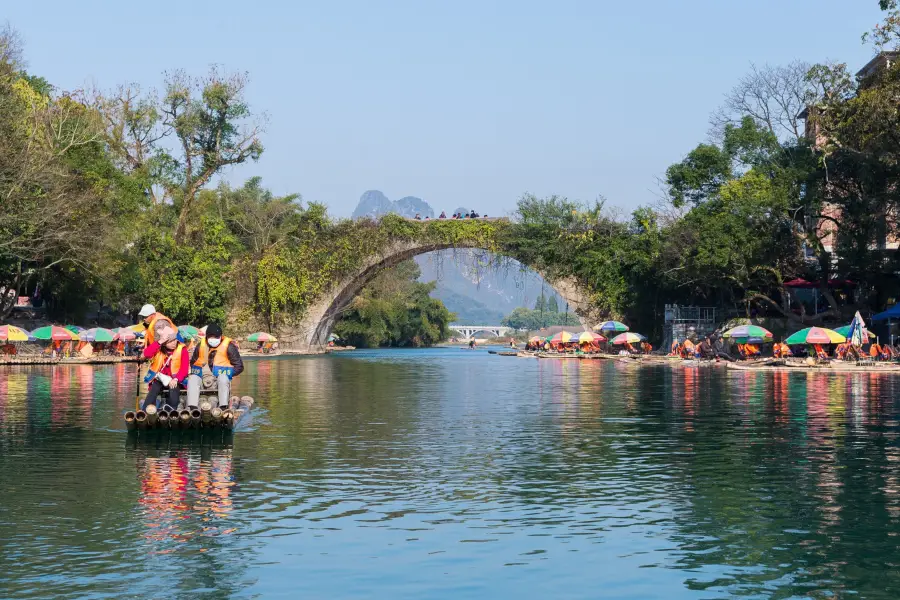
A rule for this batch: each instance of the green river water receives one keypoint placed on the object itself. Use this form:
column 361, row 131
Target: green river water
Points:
column 457, row 474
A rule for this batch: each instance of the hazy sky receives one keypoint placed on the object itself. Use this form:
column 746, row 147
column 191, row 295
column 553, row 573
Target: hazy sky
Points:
column 461, row 103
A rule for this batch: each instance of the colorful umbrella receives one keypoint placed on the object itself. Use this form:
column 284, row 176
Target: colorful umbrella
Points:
column 74, row 328
column 845, row 331
column 628, row 338
column 97, row 334
column 752, row 334
column 11, row 333
column 124, row 334
column 188, row 332
column 611, row 327
column 54, row 333
column 589, row 337
column 261, row 336
column 815, row 335
column 563, row 337
column 858, row 334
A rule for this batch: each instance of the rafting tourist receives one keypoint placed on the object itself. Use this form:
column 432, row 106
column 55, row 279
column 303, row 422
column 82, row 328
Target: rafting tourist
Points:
column 687, row 349
column 781, row 350
column 675, row 350
column 168, row 368
column 224, row 360
column 155, row 323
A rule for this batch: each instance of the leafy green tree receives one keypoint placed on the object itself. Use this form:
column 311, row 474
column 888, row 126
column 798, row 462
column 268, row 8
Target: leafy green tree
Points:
column 552, row 305
column 395, row 310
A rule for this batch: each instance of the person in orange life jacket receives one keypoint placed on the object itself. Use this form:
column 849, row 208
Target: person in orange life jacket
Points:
column 155, row 324
column 168, row 368
column 222, row 356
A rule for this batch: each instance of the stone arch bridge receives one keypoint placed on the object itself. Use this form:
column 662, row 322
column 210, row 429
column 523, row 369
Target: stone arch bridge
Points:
column 312, row 333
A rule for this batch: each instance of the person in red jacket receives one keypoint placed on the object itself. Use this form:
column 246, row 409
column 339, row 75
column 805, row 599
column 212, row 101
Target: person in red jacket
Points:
column 169, row 365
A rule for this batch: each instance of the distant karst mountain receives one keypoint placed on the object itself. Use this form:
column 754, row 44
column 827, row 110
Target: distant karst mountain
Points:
column 375, row 204
column 478, row 295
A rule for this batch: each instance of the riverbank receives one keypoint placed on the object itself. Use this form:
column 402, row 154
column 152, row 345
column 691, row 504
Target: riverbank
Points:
column 39, row 360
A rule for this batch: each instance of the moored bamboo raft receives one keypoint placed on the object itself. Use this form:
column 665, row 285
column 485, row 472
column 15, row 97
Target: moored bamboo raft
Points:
column 44, row 360
column 828, row 367
column 206, row 417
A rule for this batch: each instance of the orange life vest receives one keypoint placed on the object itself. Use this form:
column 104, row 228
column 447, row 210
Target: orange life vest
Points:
column 875, row 350
column 159, row 361
column 150, row 334
column 221, row 357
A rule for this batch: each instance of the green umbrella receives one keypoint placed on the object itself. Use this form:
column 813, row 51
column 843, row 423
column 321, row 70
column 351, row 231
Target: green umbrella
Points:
column 52, row 332
column 844, row 331
column 97, row 334
column 75, row 328
column 611, row 327
column 188, row 332
column 261, row 336
column 815, row 335
column 753, row 334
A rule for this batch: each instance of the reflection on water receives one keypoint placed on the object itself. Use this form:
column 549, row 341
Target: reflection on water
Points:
column 448, row 473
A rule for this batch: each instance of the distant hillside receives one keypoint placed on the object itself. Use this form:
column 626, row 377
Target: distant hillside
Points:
column 478, row 295
column 375, row 204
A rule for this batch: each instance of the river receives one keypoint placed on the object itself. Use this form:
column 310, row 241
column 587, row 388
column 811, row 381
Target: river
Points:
column 457, row 474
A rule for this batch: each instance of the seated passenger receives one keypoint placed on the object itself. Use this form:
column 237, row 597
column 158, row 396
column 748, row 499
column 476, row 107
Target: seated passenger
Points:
column 169, row 364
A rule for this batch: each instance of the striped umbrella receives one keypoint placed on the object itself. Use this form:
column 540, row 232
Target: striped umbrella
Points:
column 628, row 338
column 75, row 328
column 563, row 337
column 124, row 334
column 11, row 333
column 261, row 336
column 97, row 334
column 54, row 333
column 815, row 335
column 749, row 334
column 611, row 327
column 589, row 337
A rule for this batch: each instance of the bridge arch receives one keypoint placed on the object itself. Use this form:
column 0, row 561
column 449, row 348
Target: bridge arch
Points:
column 312, row 332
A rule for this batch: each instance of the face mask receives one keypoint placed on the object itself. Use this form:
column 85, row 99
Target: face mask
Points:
column 214, row 343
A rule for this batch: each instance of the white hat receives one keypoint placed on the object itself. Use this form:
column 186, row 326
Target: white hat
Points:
column 147, row 310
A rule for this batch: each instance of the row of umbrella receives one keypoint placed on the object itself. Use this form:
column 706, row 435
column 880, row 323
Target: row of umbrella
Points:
column 754, row 334
column 11, row 333
column 588, row 337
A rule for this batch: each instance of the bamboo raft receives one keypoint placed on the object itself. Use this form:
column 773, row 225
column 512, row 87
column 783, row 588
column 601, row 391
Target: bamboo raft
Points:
column 829, row 367
column 43, row 360
column 206, row 417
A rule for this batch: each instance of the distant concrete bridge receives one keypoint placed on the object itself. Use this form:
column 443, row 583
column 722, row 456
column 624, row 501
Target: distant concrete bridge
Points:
column 468, row 331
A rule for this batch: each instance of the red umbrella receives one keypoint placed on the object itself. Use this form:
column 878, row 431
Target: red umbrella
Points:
column 123, row 334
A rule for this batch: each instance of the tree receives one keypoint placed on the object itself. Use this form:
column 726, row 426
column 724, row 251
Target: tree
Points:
column 541, row 302
column 208, row 116
column 395, row 310
column 773, row 97
column 552, row 305
column 51, row 180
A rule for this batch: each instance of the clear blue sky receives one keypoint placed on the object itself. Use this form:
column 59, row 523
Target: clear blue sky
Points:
column 461, row 103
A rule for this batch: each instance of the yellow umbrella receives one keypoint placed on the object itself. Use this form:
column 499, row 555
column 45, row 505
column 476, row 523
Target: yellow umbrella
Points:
column 11, row 333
